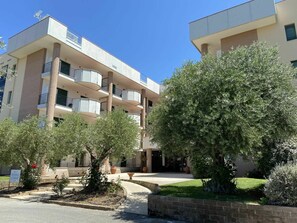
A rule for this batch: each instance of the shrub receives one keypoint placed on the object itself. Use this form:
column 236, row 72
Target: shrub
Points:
column 281, row 186
column 275, row 153
column 60, row 185
column 95, row 181
column 30, row 177
column 115, row 186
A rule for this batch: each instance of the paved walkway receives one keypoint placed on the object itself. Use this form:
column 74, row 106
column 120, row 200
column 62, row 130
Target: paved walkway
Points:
column 136, row 201
column 157, row 178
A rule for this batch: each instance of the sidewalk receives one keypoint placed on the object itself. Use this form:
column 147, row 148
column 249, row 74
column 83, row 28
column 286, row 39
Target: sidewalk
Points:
column 136, row 201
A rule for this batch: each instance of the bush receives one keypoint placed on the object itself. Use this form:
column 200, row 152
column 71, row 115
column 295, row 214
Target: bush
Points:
column 30, row 177
column 275, row 153
column 281, row 186
column 60, row 185
column 95, row 181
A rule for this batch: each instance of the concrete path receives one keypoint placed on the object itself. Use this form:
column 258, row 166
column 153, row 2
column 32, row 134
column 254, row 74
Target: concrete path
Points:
column 157, row 178
column 136, row 201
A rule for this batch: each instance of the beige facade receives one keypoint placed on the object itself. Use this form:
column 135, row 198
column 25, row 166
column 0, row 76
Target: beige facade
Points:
column 58, row 72
column 256, row 20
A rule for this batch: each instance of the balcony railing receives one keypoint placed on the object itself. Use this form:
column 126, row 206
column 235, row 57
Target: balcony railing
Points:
column 132, row 96
column 61, row 100
column 88, row 76
column 73, row 38
column 85, row 105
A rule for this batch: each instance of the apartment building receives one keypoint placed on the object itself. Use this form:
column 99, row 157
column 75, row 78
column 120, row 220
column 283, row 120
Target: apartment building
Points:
column 256, row 20
column 50, row 71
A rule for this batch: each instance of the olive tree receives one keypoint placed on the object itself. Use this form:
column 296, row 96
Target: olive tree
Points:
column 113, row 135
column 226, row 106
column 25, row 144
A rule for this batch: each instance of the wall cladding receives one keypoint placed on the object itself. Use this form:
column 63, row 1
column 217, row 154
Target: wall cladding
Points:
column 195, row 210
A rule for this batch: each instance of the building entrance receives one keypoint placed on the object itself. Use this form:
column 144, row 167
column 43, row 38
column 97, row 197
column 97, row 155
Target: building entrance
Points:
column 162, row 163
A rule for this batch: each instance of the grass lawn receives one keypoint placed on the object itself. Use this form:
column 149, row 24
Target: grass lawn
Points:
column 248, row 190
column 4, row 178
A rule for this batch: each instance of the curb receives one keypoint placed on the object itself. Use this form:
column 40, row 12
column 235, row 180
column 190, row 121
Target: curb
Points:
column 86, row 206
column 155, row 188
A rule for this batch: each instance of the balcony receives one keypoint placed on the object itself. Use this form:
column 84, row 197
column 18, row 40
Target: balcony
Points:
column 86, row 106
column 136, row 118
column 132, row 97
column 245, row 17
column 88, row 78
column 66, row 104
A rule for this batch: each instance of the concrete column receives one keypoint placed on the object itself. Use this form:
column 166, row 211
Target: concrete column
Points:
column 204, row 49
column 110, row 88
column 144, row 110
column 52, row 93
column 149, row 160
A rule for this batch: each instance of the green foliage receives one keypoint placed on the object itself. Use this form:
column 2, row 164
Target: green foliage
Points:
column 114, row 135
column 115, row 186
column 25, row 144
column 95, row 180
column 222, row 180
column 69, row 137
column 60, row 185
column 225, row 106
column 7, row 135
column 275, row 153
column 30, row 178
column 281, row 186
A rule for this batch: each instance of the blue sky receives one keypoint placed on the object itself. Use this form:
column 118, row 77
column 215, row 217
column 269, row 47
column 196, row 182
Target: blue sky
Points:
column 150, row 35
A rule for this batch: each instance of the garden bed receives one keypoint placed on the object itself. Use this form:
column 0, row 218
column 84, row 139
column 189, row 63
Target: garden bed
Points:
column 107, row 201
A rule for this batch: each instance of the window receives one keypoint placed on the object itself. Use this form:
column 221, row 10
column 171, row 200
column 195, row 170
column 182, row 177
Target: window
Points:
column 291, row 32
column 9, row 97
column 61, row 97
column 65, row 68
column 150, row 103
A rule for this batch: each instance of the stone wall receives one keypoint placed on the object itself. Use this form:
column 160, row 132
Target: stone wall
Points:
column 196, row 210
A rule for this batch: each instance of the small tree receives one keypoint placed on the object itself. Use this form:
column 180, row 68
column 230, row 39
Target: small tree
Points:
column 113, row 135
column 24, row 144
column 226, row 106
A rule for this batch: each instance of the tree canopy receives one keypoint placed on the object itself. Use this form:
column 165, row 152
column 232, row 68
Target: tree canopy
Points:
column 226, row 106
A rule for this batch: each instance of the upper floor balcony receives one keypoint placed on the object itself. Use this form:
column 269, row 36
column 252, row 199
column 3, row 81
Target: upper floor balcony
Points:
column 242, row 18
column 66, row 105
column 132, row 97
column 89, row 78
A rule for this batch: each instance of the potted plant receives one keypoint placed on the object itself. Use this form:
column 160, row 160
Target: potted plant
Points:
column 113, row 169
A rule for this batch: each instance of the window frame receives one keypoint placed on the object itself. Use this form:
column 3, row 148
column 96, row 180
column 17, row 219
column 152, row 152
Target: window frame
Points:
column 286, row 32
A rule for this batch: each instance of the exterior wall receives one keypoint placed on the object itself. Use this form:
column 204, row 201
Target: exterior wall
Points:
column 32, row 84
column 275, row 34
column 196, row 210
column 242, row 39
